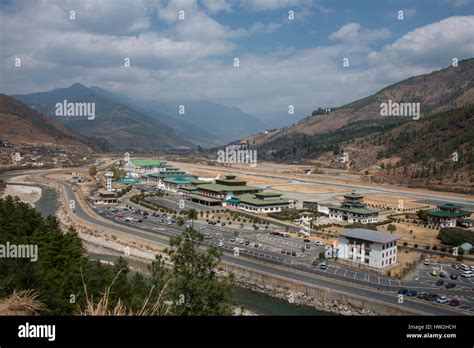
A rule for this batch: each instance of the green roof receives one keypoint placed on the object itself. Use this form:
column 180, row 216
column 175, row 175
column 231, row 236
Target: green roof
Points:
column 251, row 199
column 221, row 188
column 146, row 163
column 168, row 175
column 181, row 180
column 465, row 220
column 450, row 206
column 356, row 210
column 269, row 194
column 445, row 213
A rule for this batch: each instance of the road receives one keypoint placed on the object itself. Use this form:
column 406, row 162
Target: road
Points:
column 291, row 272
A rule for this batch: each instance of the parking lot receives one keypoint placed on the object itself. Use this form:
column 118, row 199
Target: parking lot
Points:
column 422, row 278
column 178, row 203
column 289, row 251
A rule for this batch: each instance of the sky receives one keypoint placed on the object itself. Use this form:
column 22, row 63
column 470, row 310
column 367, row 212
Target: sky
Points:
column 282, row 59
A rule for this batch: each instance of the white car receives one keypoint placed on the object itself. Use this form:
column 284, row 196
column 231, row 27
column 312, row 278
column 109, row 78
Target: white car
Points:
column 221, row 244
column 319, row 243
column 465, row 267
column 426, row 262
column 467, row 274
column 442, row 299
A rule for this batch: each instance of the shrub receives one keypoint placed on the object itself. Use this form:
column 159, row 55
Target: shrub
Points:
column 455, row 236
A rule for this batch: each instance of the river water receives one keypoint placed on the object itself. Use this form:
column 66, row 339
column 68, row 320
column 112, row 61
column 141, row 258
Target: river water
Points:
column 255, row 302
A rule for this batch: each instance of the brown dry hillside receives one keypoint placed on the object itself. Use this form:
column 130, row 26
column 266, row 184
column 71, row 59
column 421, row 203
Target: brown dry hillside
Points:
column 21, row 124
column 446, row 89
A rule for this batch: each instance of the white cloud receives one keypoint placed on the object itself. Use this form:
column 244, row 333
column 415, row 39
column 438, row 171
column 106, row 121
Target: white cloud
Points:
column 353, row 33
column 215, row 6
column 192, row 59
column 259, row 5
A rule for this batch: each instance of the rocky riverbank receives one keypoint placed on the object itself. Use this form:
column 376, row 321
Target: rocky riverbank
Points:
column 299, row 298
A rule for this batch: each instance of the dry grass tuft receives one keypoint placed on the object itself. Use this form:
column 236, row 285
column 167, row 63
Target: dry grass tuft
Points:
column 101, row 307
column 22, row 302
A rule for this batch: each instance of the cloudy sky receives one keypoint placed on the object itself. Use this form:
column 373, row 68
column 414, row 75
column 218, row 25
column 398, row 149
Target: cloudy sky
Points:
column 282, row 60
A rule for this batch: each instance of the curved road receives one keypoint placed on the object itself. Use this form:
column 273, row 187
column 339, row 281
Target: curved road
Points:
column 299, row 276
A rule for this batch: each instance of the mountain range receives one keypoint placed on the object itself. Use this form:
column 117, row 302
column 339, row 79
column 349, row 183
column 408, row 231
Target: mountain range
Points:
column 146, row 126
column 414, row 150
column 20, row 123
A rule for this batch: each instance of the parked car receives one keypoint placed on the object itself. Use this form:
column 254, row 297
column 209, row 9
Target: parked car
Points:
column 431, row 297
column 454, row 302
column 323, row 265
column 308, row 246
column 426, row 262
column 403, row 291
column 439, row 282
column 422, row 295
column 412, row 293
column 223, row 224
column 247, row 242
column 442, row 299
column 293, row 253
column 465, row 267
column 466, row 274
column 319, row 243
column 442, row 274
column 434, row 273
column 221, row 244
column 306, row 240
column 256, row 245
column 139, row 220
column 232, row 240
column 120, row 216
column 454, row 276
column 450, row 285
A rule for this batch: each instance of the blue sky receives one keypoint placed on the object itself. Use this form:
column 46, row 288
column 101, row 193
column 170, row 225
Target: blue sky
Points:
column 282, row 61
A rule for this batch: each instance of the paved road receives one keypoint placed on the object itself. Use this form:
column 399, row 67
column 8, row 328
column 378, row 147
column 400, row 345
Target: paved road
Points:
column 302, row 275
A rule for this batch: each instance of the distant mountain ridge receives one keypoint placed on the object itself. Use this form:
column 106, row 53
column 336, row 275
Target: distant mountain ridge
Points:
column 448, row 88
column 119, row 124
column 416, row 152
column 21, row 124
column 157, row 125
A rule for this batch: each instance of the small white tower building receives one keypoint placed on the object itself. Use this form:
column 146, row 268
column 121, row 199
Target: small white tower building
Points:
column 109, row 176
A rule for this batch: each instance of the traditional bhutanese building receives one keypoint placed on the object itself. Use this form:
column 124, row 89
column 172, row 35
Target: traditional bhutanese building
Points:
column 158, row 179
column 353, row 209
column 105, row 197
column 261, row 202
column 221, row 190
column 135, row 168
column 449, row 215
